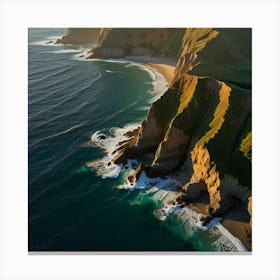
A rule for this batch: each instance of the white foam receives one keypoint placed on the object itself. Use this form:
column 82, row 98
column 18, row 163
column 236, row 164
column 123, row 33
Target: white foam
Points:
column 145, row 182
column 105, row 167
column 109, row 71
column 54, row 37
column 68, row 51
column 47, row 42
column 187, row 223
column 159, row 82
column 184, row 221
column 104, row 170
column 237, row 243
column 83, row 54
column 86, row 52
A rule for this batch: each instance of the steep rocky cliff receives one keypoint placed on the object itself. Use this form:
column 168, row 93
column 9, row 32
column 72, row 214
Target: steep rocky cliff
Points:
column 220, row 53
column 200, row 130
column 78, row 36
column 120, row 42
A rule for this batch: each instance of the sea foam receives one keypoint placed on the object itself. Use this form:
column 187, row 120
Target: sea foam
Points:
column 144, row 182
column 183, row 221
column 159, row 83
column 109, row 142
column 187, row 223
column 68, row 51
column 49, row 41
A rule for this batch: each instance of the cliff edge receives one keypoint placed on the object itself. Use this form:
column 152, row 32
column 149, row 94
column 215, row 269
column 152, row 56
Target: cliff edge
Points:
column 77, row 36
column 199, row 131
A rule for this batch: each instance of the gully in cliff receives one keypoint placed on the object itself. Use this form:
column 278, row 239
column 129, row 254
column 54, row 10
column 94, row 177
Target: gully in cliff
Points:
column 171, row 139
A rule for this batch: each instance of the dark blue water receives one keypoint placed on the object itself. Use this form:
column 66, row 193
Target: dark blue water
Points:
column 70, row 206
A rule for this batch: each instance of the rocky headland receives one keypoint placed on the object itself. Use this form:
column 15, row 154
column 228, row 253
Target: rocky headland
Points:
column 199, row 132
column 76, row 36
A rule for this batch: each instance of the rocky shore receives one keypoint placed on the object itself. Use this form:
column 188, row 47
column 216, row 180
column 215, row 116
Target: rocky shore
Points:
column 199, row 132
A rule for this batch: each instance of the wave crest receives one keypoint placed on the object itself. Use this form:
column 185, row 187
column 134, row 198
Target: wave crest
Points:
column 109, row 142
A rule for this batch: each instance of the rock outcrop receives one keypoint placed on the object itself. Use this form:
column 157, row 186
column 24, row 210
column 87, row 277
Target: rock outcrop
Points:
column 200, row 130
column 202, row 124
column 120, row 42
column 77, row 36
column 221, row 53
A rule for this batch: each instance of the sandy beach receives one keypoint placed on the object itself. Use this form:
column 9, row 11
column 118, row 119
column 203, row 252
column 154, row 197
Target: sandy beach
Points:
column 163, row 65
column 166, row 70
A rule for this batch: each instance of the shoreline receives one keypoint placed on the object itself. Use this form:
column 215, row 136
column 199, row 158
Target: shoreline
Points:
column 166, row 67
column 239, row 229
column 163, row 65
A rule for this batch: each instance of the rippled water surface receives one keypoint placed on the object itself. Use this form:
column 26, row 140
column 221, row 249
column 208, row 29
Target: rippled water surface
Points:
column 70, row 99
column 78, row 110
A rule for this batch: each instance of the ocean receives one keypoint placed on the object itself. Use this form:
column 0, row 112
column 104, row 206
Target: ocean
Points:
column 78, row 110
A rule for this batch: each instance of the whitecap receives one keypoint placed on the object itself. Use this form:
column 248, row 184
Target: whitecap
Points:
column 144, row 182
column 83, row 54
column 49, row 41
column 105, row 167
column 68, row 51
column 234, row 240
column 185, row 223
column 109, row 71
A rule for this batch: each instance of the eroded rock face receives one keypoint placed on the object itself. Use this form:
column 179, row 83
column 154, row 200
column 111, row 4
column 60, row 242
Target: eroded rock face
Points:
column 170, row 153
column 249, row 207
column 120, row 42
column 77, row 36
column 202, row 123
column 220, row 53
column 194, row 41
column 133, row 177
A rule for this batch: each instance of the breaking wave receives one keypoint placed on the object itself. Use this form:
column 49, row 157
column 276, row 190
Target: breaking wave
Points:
column 183, row 221
column 108, row 142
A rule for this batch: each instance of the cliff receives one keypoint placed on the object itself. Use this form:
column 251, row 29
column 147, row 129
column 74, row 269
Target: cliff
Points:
column 221, row 53
column 199, row 131
column 77, row 36
column 120, row 42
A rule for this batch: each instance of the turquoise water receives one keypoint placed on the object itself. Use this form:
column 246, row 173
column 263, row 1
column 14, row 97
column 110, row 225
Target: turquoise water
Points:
column 70, row 206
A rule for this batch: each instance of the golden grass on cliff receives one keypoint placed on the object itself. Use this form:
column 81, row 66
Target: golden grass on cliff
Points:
column 195, row 39
column 246, row 146
column 219, row 115
column 203, row 170
column 190, row 83
column 187, row 94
